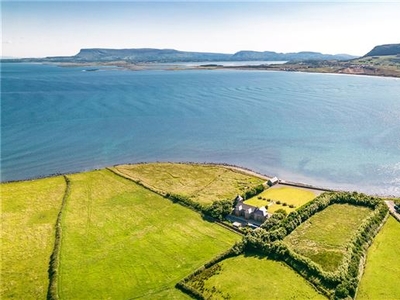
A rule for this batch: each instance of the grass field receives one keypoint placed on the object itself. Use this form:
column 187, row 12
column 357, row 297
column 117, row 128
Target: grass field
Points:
column 202, row 183
column 382, row 272
column 28, row 214
column 253, row 277
column 289, row 195
column 122, row 241
column 323, row 237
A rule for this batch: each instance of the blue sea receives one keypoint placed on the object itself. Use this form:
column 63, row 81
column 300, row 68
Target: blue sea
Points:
column 334, row 131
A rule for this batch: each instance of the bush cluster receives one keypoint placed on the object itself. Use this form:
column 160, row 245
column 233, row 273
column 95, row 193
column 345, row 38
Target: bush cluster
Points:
column 344, row 281
column 186, row 201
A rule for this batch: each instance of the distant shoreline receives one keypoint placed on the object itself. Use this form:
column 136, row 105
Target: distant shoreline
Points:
column 317, row 67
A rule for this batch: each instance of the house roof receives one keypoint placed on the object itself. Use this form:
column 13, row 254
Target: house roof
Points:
column 273, row 179
column 261, row 211
column 243, row 206
column 239, row 198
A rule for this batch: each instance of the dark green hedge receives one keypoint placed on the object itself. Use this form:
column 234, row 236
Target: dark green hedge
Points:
column 184, row 285
column 253, row 191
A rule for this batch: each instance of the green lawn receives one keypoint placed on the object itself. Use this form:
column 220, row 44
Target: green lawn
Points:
column 202, row 183
column 382, row 272
column 324, row 236
column 122, row 241
column 290, row 195
column 255, row 278
column 28, row 214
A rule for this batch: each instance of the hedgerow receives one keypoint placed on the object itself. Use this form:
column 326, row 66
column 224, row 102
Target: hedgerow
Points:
column 52, row 291
column 193, row 284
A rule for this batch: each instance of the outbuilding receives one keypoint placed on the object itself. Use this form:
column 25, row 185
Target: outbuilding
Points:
column 273, row 181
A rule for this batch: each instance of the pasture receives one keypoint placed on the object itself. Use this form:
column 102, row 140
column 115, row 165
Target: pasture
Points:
column 256, row 277
column 122, row 241
column 283, row 194
column 323, row 237
column 382, row 270
column 29, row 211
column 202, row 183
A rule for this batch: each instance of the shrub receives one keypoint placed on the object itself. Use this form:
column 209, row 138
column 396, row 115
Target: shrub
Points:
column 253, row 192
column 281, row 211
column 278, row 202
column 284, row 204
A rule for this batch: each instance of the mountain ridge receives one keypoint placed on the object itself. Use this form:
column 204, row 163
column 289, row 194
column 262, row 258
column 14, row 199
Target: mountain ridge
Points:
column 172, row 55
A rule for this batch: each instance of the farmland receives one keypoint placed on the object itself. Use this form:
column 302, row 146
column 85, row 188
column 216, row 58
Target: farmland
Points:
column 29, row 212
column 283, row 194
column 256, row 277
column 122, row 241
column 382, row 271
column 323, row 237
column 202, row 183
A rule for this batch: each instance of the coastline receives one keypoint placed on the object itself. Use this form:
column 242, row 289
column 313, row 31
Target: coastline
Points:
column 301, row 67
column 235, row 168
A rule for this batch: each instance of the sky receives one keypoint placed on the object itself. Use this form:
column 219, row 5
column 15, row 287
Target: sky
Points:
column 60, row 28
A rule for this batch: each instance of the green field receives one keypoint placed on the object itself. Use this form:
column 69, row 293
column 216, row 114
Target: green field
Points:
column 288, row 195
column 28, row 214
column 382, row 272
column 202, row 183
column 122, row 241
column 253, row 277
column 323, row 237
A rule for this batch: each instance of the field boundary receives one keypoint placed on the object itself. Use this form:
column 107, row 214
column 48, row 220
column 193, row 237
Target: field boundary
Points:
column 235, row 250
column 54, row 263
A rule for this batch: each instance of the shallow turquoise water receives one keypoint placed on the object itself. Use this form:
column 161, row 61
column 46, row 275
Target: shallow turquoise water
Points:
column 329, row 130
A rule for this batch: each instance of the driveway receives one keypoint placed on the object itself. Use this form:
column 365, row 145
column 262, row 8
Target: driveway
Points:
column 390, row 204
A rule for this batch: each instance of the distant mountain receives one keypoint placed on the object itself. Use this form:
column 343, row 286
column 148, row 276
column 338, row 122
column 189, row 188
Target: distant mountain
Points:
column 147, row 55
column 273, row 56
column 170, row 56
column 383, row 50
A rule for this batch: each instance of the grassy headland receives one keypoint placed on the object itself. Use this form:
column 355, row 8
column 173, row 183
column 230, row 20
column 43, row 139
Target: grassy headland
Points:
column 201, row 183
column 122, row 240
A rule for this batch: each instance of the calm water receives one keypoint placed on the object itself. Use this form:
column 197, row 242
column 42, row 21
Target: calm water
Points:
column 333, row 131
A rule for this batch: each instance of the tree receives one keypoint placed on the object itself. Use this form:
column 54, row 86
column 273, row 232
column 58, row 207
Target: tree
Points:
column 220, row 209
